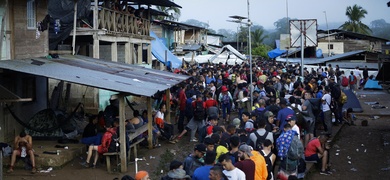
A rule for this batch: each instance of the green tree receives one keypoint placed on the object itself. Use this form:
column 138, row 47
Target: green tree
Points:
column 380, row 28
column 355, row 14
column 261, row 50
column 258, row 37
column 173, row 13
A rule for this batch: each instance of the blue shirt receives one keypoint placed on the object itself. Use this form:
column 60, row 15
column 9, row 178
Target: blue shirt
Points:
column 282, row 115
column 202, row 173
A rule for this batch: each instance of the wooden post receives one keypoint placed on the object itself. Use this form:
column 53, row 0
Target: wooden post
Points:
column 150, row 123
column 74, row 28
column 95, row 35
column 127, row 53
column 168, row 105
column 149, row 54
column 139, row 52
column 114, row 51
column 122, row 133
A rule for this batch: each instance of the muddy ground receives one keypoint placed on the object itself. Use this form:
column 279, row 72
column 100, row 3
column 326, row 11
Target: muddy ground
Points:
column 367, row 148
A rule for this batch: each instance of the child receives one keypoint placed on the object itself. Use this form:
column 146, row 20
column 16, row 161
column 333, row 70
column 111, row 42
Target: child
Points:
column 348, row 117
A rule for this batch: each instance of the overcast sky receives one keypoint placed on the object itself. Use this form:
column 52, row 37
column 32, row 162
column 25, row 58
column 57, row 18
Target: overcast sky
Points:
column 266, row 12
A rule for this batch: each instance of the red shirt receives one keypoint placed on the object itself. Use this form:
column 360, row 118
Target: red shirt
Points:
column 312, row 147
column 182, row 99
column 194, row 105
column 210, row 103
column 106, row 140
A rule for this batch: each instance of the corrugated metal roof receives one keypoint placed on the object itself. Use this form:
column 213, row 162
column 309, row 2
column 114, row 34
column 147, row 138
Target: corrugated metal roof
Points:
column 321, row 60
column 102, row 74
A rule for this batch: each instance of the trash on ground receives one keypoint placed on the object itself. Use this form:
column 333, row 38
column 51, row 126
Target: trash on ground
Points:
column 337, row 154
column 46, row 171
column 371, row 103
column 349, row 162
column 348, row 157
column 362, row 145
column 385, row 169
column 336, row 146
column 353, row 169
column 357, row 150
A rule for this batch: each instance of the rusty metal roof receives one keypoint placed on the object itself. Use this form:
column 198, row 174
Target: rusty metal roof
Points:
column 113, row 76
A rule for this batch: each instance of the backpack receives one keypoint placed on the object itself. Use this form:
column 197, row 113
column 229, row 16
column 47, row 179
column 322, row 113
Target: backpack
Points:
column 259, row 114
column 114, row 143
column 295, row 150
column 343, row 98
column 225, row 99
column 260, row 140
column 316, row 105
column 353, row 79
column 199, row 111
column 344, row 81
column 298, row 114
column 268, row 163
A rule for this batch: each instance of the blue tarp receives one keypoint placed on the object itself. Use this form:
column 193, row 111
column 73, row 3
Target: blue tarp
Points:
column 159, row 49
column 275, row 53
column 372, row 84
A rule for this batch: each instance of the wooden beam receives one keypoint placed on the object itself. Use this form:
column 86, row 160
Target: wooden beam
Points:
column 60, row 52
column 168, row 105
column 139, row 52
column 127, row 53
column 122, row 133
column 150, row 122
column 74, row 28
column 149, row 54
column 114, row 52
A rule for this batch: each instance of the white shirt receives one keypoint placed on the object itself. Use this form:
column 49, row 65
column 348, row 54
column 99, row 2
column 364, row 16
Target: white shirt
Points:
column 325, row 106
column 235, row 174
column 296, row 129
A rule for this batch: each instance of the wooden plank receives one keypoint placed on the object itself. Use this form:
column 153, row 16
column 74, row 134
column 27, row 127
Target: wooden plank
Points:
column 60, row 52
column 168, row 105
column 139, row 56
column 138, row 132
column 122, row 133
column 150, row 123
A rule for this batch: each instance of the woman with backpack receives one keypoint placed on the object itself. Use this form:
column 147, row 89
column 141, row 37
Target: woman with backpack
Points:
column 225, row 99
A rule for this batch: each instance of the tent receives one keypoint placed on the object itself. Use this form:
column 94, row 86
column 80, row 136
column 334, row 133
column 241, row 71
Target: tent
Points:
column 352, row 102
column 275, row 53
column 372, row 84
column 159, row 49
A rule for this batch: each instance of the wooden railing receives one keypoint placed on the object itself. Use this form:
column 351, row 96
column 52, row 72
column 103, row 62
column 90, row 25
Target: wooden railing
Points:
column 117, row 22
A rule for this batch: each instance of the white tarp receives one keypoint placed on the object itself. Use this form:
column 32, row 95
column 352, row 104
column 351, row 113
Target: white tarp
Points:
column 214, row 40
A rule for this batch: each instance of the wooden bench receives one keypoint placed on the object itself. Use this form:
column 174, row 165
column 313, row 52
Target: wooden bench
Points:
column 134, row 135
column 108, row 159
column 133, row 145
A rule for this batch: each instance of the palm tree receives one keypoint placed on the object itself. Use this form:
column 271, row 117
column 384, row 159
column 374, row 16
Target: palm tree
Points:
column 173, row 13
column 258, row 37
column 354, row 24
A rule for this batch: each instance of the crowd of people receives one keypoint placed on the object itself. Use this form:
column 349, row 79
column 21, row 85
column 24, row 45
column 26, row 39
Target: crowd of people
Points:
column 284, row 115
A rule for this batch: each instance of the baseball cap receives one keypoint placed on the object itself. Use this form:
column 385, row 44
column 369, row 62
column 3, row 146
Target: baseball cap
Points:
column 246, row 149
column 200, row 147
column 291, row 118
column 268, row 114
column 236, row 122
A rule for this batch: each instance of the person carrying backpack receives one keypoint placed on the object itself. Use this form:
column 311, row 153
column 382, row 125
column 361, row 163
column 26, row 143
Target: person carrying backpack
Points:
column 199, row 110
column 352, row 81
column 257, row 138
column 290, row 150
column 225, row 99
column 269, row 158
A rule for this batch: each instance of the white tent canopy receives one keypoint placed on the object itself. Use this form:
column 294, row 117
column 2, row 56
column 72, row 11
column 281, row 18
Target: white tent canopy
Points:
column 226, row 53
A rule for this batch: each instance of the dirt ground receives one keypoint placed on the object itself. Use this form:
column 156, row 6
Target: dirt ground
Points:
column 366, row 148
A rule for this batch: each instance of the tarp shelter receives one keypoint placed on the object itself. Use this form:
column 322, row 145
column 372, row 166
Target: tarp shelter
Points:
column 372, row 84
column 225, row 52
column 119, row 77
column 275, row 53
column 159, row 50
